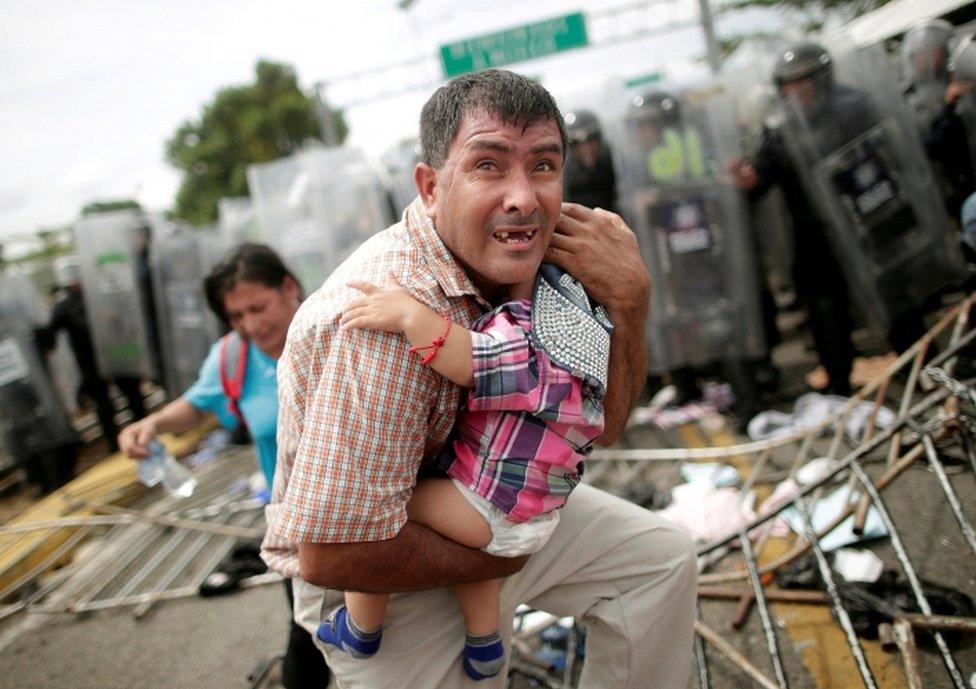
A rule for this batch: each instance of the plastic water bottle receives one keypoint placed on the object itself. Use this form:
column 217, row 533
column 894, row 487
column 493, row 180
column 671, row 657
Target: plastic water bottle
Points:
column 161, row 467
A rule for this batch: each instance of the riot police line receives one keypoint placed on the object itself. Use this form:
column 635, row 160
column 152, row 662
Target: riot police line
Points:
column 132, row 303
column 861, row 229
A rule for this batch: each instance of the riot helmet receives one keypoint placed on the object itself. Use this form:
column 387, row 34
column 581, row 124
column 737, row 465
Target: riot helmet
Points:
column 67, row 271
column 582, row 126
column 963, row 61
column 924, row 51
column 659, row 107
column 804, row 75
column 807, row 60
column 652, row 113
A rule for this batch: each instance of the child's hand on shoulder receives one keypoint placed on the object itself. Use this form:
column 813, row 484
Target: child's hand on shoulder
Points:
column 385, row 309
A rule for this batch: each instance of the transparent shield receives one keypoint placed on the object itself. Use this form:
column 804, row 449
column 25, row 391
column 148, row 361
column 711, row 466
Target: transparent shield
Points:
column 316, row 207
column 237, row 221
column 114, row 264
column 589, row 174
column 854, row 144
column 279, row 191
column 30, row 282
column 693, row 230
column 181, row 258
column 925, row 101
column 400, row 162
column 349, row 199
column 32, row 416
column 757, row 107
column 966, row 110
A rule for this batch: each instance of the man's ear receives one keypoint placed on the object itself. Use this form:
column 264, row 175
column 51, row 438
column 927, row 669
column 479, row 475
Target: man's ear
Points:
column 425, row 177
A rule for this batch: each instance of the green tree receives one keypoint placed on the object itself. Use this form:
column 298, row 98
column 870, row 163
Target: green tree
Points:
column 253, row 123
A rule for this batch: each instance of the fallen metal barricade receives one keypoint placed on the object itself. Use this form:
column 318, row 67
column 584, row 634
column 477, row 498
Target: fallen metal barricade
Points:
column 936, row 413
column 163, row 548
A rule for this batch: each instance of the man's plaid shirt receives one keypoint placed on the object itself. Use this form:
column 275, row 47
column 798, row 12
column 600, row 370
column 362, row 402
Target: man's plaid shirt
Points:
column 357, row 412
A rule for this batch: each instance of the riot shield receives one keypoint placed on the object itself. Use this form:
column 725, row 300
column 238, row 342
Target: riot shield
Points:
column 400, row 162
column 963, row 68
column 691, row 224
column 237, row 221
column 924, row 57
column 32, row 416
column 30, row 281
column 589, row 172
column 770, row 220
column 925, row 101
column 317, row 206
column 854, row 145
column 113, row 259
column 181, row 258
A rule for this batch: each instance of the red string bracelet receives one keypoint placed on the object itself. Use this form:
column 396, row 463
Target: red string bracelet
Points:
column 434, row 346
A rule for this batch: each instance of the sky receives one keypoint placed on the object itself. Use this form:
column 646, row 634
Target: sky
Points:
column 89, row 92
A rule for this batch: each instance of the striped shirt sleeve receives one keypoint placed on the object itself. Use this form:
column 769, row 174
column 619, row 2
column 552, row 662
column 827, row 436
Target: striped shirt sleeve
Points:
column 357, row 438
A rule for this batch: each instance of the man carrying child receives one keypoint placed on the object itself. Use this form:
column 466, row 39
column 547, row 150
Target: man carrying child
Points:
column 360, row 417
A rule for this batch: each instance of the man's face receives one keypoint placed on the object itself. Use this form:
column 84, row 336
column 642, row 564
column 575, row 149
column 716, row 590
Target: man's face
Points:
column 930, row 63
column 496, row 199
column 801, row 92
column 649, row 134
column 586, row 152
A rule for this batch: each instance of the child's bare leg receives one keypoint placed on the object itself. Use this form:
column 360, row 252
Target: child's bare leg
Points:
column 356, row 627
column 484, row 653
column 479, row 605
column 367, row 609
column 439, row 505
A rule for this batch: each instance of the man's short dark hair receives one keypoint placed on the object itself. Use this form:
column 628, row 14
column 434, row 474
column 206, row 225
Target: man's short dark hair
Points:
column 514, row 99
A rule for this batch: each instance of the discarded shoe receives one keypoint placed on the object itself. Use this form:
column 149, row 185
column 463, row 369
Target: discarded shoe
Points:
column 243, row 562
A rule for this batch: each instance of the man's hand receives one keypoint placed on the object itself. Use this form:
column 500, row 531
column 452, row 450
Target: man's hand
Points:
column 743, row 175
column 597, row 248
column 957, row 89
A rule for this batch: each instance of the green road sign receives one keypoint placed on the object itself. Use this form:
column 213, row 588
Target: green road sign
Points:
column 514, row 45
column 644, row 79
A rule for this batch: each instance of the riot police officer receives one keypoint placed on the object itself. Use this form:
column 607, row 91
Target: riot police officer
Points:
column 693, row 229
column 804, row 72
column 925, row 68
column 855, row 216
column 34, row 426
column 69, row 314
column 588, row 178
column 949, row 137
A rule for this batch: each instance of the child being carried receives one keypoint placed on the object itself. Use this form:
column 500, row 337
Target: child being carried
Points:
column 535, row 370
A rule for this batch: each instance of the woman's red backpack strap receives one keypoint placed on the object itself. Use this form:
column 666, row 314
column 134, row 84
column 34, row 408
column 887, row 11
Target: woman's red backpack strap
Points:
column 233, row 366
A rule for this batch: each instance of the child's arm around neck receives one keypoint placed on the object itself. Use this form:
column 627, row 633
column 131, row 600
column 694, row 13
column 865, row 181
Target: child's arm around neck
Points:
column 445, row 346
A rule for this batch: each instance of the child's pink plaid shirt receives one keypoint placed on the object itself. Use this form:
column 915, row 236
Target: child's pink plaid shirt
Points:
column 528, row 423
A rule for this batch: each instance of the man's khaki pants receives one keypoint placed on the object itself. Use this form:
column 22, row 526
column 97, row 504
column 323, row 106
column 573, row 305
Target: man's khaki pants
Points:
column 625, row 573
